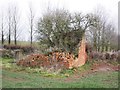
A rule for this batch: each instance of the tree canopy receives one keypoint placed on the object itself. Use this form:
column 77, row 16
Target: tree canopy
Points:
column 61, row 30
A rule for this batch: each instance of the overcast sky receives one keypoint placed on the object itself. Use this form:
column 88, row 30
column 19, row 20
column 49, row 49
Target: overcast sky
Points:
column 85, row 6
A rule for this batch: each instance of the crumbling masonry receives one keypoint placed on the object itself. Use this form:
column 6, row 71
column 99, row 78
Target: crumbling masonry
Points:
column 57, row 60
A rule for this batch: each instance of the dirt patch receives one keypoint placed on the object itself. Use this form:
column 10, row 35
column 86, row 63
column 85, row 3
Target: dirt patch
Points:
column 104, row 66
column 97, row 67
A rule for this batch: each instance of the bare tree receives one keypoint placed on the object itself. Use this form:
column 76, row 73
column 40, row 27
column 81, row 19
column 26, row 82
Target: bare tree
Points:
column 13, row 18
column 2, row 33
column 16, row 19
column 9, row 24
column 102, row 31
column 31, row 22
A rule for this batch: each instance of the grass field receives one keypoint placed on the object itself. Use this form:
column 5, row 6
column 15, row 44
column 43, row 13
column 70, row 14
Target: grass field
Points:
column 22, row 43
column 26, row 80
column 21, row 79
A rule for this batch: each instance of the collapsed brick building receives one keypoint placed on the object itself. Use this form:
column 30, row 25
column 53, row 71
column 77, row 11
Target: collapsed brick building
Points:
column 56, row 60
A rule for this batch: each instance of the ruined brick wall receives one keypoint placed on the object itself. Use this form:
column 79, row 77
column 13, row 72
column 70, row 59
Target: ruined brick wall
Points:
column 57, row 60
column 82, row 55
column 34, row 60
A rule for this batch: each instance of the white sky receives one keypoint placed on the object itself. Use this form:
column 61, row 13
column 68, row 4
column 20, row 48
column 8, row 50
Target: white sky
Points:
column 85, row 6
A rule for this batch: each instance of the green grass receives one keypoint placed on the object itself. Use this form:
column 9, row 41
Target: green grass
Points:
column 23, row 43
column 18, row 77
column 6, row 60
column 34, row 80
column 20, row 42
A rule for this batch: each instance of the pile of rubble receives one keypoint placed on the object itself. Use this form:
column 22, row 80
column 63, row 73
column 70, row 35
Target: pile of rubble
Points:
column 33, row 60
column 55, row 60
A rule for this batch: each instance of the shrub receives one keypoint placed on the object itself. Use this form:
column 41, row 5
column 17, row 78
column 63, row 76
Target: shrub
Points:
column 95, row 55
column 105, row 56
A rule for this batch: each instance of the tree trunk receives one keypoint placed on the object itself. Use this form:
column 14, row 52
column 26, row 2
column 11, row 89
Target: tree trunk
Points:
column 2, row 38
column 9, row 37
column 31, row 33
column 15, row 37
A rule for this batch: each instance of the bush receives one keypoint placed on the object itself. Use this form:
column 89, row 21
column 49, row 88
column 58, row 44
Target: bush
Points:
column 105, row 56
column 95, row 55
